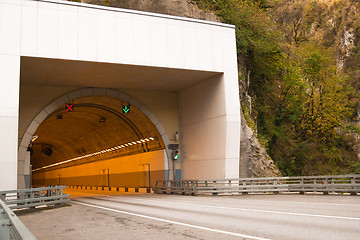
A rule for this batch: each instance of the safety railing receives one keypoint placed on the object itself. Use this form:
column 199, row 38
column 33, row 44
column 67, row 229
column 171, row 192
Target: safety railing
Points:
column 325, row 184
column 11, row 227
column 32, row 197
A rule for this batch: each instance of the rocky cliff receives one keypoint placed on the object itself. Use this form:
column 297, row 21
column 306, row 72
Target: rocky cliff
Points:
column 181, row 8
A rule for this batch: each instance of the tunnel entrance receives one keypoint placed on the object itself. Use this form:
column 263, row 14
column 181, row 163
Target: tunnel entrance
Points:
column 97, row 141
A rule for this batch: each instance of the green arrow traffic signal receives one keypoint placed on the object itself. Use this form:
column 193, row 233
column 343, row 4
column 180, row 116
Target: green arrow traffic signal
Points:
column 126, row 108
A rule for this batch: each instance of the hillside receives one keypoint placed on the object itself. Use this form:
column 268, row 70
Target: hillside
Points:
column 300, row 80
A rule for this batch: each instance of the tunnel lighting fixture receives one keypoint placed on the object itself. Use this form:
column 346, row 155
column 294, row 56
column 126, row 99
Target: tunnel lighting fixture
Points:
column 97, row 153
column 34, row 138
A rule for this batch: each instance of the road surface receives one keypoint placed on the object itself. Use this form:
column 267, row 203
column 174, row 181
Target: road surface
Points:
column 152, row 216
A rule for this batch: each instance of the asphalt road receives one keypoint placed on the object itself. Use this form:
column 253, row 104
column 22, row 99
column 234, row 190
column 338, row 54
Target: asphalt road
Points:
column 150, row 216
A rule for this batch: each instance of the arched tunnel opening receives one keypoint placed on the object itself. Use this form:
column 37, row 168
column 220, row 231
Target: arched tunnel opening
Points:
column 97, row 141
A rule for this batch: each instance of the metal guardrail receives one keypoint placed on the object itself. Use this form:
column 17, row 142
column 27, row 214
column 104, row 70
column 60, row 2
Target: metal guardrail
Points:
column 32, row 197
column 325, row 184
column 11, row 227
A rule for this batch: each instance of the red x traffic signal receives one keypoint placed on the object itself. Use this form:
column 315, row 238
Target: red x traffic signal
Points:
column 69, row 107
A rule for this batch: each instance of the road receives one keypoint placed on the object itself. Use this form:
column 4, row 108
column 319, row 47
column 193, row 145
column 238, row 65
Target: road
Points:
column 150, row 216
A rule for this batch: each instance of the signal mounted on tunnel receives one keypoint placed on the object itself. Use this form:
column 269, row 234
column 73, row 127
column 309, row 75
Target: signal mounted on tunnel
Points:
column 175, row 152
column 175, row 155
column 126, row 108
column 69, row 107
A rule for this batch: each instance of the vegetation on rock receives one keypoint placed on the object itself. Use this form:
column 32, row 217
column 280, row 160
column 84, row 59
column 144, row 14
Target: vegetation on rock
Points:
column 299, row 79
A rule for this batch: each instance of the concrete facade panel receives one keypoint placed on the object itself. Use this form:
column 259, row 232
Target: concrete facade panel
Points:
column 124, row 97
column 232, row 149
column 25, row 141
column 29, row 30
column 62, row 100
column 8, row 176
column 125, row 40
column 205, row 48
column 112, row 93
column 204, row 169
column 133, row 101
column 32, row 128
column 21, row 169
column 159, row 43
column 175, row 41
column 14, row 2
column 8, row 143
column 191, row 51
column 10, row 24
column 87, row 92
column 68, row 32
column 47, row 38
column 9, row 81
column 203, row 101
column 204, row 140
column 107, row 37
column 41, row 116
column 217, row 48
column 75, row 94
column 100, row 91
column 145, row 110
column 206, row 114
column 51, row 107
column 88, row 35
column 160, row 128
column 22, row 153
column 142, row 49
column 230, row 170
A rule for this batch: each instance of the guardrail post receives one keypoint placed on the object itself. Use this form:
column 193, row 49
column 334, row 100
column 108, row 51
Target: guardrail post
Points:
column 244, row 184
column 192, row 192
column 214, row 185
column 302, row 186
column 314, row 183
column 353, row 186
column 274, row 184
column 325, row 189
column 3, row 196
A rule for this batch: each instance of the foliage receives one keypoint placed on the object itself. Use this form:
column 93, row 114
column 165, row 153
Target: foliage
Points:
column 301, row 97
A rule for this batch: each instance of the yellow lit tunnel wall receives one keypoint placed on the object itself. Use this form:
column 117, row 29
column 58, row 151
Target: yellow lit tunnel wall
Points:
column 127, row 171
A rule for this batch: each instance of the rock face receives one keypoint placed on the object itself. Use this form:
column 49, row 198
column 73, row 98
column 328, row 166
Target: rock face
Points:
column 181, row 8
column 254, row 161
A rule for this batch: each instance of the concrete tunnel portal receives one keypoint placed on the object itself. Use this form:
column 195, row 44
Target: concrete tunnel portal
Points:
column 92, row 141
column 180, row 73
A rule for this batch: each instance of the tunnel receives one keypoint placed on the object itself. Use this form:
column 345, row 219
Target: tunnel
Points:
column 97, row 141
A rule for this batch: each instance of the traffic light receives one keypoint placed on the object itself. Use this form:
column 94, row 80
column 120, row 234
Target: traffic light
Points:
column 126, row 108
column 175, row 155
column 69, row 107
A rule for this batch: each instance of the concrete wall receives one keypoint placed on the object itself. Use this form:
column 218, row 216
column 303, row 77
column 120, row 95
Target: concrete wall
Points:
column 128, row 171
column 66, row 30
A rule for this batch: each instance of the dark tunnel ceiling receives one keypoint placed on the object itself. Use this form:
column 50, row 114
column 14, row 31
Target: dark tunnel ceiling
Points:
column 81, row 132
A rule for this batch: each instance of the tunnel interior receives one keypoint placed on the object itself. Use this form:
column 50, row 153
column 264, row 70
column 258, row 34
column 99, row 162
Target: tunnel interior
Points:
column 97, row 141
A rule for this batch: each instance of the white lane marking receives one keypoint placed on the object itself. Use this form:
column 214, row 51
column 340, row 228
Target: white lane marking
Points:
column 253, row 200
column 174, row 222
column 251, row 210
